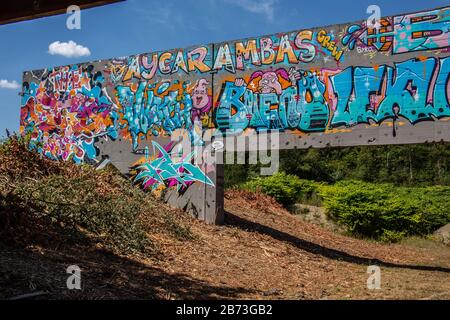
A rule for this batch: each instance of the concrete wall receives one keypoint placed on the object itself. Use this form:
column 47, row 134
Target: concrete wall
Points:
column 339, row 85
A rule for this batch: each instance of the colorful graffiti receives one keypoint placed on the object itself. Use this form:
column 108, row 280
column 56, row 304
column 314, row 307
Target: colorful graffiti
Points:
column 162, row 171
column 328, row 43
column 422, row 31
column 414, row 89
column 369, row 40
column 305, row 46
column 427, row 30
column 308, row 82
column 66, row 112
column 273, row 100
column 147, row 66
column 161, row 107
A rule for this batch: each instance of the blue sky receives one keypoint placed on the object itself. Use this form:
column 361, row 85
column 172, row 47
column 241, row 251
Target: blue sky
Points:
column 137, row 26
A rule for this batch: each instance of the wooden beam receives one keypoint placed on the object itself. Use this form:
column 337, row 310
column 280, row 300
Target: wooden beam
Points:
column 21, row 10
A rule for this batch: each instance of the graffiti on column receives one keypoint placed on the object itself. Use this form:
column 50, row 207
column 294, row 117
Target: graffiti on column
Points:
column 162, row 171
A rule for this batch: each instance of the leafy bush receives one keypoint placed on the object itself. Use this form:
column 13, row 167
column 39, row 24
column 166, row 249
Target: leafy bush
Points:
column 379, row 211
column 386, row 212
column 286, row 189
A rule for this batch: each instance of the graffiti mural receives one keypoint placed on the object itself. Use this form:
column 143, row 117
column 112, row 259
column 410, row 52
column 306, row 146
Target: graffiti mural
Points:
column 152, row 109
column 264, row 102
column 303, row 47
column 422, row 31
column 369, row 40
column 149, row 66
column 162, row 171
column 66, row 111
column 427, row 30
column 414, row 89
column 306, row 83
column 161, row 92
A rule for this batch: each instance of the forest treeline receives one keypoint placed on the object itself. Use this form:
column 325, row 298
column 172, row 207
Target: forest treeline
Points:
column 402, row 165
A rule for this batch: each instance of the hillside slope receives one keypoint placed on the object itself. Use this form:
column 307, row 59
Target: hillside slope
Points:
column 262, row 252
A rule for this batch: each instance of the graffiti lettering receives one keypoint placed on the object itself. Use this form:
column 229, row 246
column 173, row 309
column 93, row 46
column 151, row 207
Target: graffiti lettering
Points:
column 326, row 41
column 415, row 32
column 146, row 66
column 162, row 171
column 65, row 118
column 354, row 95
column 422, row 31
column 154, row 109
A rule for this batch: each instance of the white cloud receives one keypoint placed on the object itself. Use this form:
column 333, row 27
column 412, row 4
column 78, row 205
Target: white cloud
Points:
column 265, row 7
column 5, row 84
column 68, row 49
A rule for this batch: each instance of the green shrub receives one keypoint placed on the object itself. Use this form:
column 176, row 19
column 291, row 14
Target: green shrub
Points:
column 379, row 211
column 386, row 212
column 286, row 189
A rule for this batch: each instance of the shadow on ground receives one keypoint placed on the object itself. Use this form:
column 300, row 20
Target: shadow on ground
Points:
column 236, row 221
column 104, row 276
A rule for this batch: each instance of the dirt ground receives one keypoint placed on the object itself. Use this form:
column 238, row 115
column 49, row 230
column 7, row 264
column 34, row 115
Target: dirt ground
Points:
column 262, row 252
